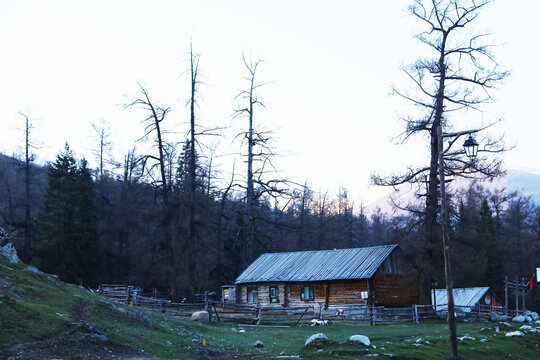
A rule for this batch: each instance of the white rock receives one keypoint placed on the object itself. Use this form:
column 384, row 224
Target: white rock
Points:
column 9, row 251
column 33, row 270
column 514, row 333
column 525, row 327
column 504, row 323
column 483, row 340
column 259, row 344
column 200, row 316
column 534, row 316
column 316, row 337
column 242, row 330
column 466, row 337
column 519, row 318
column 360, row 339
column 234, row 329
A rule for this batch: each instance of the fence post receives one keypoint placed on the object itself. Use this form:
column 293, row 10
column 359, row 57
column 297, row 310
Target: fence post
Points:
column 415, row 306
column 523, row 292
column 258, row 314
column 506, row 295
column 517, row 295
column 320, row 310
column 372, row 314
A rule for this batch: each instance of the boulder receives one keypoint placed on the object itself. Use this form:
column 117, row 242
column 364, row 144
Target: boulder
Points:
column 534, row 315
column 514, row 333
column 360, row 339
column 258, row 344
column 498, row 317
column 201, row 316
column 33, row 270
column 519, row 318
column 316, row 338
column 9, row 251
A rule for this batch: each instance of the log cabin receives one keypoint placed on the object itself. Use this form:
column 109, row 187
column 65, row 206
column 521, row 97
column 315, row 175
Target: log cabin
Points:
column 376, row 275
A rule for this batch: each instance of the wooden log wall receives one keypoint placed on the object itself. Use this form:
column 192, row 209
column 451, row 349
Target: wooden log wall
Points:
column 395, row 290
column 326, row 292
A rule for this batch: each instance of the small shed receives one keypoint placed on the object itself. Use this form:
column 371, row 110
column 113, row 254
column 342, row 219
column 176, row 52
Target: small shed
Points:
column 476, row 300
column 376, row 275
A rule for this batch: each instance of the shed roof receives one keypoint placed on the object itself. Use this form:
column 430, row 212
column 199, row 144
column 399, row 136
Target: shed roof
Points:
column 358, row 263
column 462, row 297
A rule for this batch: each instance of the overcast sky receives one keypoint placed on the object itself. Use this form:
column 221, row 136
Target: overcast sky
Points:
column 329, row 65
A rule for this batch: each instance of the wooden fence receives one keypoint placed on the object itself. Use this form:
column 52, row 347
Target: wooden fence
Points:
column 257, row 314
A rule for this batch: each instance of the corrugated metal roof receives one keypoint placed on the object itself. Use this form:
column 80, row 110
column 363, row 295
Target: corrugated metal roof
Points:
column 462, row 297
column 359, row 263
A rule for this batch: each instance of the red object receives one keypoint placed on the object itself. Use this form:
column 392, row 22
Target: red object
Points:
column 531, row 282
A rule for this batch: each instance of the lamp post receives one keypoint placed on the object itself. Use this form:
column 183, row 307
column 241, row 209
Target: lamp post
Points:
column 471, row 148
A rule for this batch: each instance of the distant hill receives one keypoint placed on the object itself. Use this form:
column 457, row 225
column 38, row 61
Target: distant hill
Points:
column 523, row 181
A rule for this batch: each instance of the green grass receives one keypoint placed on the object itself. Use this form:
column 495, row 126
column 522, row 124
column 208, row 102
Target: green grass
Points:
column 39, row 307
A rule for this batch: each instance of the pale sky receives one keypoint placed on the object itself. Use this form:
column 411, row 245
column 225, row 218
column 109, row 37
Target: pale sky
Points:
column 330, row 67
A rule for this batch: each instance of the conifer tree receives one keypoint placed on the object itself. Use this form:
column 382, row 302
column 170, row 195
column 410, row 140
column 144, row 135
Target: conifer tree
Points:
column 70, row 244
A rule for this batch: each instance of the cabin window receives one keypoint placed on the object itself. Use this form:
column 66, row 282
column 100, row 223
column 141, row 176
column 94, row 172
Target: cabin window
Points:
column 274, row 294
column 252, row 295
column 307, row 294
column 225, row 294
column 364, row 295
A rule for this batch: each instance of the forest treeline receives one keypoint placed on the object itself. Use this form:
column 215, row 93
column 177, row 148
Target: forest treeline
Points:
column 110, row 229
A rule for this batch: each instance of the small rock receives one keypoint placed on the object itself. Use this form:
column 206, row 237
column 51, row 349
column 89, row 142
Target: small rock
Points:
column 519, row 318
column 466, row 337
column 504, row 323
column 318, row 338
column 483, row 340
column 242, row 330
column 514, row 333
column 259, row 344
column 360, row 339
column 526, row 327
column 534, row 316
column 234, row 330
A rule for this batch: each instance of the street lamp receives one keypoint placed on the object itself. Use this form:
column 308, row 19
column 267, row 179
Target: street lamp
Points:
column 471, row 148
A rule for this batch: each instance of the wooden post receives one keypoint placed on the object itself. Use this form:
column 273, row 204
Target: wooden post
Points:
column 523, row 293
column 258, row 322
column 506, row 295
column 517, row 295
column 415, row 307
column 320, row 310
column 372, row 314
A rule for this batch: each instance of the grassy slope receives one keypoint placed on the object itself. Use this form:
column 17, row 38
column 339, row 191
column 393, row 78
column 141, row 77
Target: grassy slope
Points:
column 38, row 308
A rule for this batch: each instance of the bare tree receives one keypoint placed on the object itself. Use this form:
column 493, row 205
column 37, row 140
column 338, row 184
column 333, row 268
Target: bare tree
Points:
column 153, row 164
column 103, row 151
column 460, row 76
column 259, row 153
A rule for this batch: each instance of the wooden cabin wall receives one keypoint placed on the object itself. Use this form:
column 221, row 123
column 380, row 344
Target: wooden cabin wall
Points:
column 326, row 292
column 395, row 290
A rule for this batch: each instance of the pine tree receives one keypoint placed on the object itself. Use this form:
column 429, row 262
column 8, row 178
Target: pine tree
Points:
column 70, row 244
column 488, row 240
